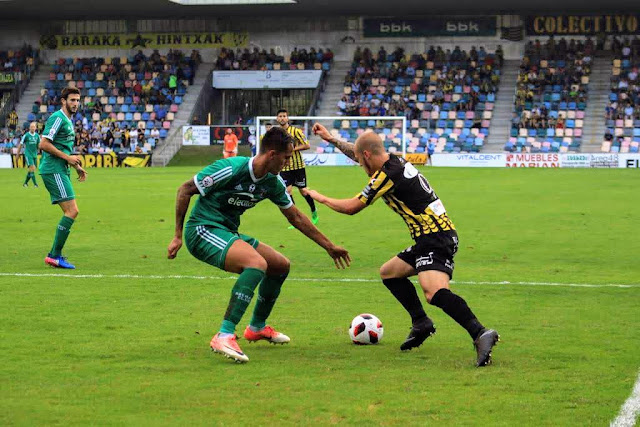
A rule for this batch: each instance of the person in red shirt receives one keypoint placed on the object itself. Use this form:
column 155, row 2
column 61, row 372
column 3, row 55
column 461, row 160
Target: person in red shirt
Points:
column 230, row 144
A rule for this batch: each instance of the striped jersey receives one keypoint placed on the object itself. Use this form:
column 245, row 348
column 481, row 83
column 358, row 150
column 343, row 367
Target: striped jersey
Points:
column 59, row 130
column 408, row 193
column 296, row 162
column 228, row 188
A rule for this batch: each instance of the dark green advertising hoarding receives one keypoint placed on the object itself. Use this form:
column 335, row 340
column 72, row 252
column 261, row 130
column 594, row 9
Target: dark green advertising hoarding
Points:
column 433, row 26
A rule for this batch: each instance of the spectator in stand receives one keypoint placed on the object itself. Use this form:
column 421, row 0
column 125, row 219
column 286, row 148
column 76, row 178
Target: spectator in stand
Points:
column 12, row 120
column 155, row 134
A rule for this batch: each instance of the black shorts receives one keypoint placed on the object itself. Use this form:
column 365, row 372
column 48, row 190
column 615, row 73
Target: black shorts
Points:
column 297, row 177
column 432, row 252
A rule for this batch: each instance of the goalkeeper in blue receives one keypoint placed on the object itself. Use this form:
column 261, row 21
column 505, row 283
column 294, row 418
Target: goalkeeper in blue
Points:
column 408, row 193
column 226, row 189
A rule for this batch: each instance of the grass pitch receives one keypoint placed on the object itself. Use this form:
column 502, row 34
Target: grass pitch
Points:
column 129, row 345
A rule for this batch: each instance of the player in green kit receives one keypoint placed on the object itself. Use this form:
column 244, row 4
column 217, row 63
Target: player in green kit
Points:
column 227, row 188
column 30, row 140
column 56, row 144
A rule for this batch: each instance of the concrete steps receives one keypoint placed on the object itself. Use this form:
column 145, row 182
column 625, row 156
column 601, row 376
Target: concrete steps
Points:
column 165, row 151
column 594, row 118
column 334, row 89
column 503, row 108
column 32, row 92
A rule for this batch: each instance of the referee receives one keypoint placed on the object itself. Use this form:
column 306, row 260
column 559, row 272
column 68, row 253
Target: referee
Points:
column 294, row 173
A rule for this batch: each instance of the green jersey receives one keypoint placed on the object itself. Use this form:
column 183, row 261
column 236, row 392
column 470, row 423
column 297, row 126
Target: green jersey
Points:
column 228, row 188
column 59, row 130
column 30, row 142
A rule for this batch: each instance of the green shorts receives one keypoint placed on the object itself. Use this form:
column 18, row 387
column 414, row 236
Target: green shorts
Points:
column 59, row 187
column 211, row 244
column 31, row 160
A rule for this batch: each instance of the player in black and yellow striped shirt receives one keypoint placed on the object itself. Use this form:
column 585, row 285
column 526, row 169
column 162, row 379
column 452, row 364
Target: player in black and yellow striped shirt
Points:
column 294, row 173
column 408, row 193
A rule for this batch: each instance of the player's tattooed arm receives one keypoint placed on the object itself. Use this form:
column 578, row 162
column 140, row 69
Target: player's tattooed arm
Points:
column 185, row 192
column 347, row 148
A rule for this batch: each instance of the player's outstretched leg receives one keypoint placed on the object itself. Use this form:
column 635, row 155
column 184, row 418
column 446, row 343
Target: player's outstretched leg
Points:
column 436, row 288
column 394, row 274
column 55, row 258
column 268, row 292
column 241, row 258
column 312, row 205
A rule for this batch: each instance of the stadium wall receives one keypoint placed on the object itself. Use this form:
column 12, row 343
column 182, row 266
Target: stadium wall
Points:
column 341, row 34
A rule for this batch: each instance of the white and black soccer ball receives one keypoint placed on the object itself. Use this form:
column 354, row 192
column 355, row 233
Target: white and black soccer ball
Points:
column 366, row 329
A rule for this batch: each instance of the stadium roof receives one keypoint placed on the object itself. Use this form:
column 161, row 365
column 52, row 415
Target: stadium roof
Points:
column 82, row 9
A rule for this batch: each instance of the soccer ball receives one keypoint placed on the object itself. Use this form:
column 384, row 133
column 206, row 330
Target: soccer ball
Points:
column 366, row 329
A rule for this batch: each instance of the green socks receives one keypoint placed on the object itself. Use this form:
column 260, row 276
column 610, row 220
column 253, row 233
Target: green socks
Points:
column 267, row 296
column 31, row 176
column 64, row 228
column 241, row 295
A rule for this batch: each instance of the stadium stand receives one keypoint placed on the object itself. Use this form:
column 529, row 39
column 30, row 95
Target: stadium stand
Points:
column 551, row 97
column 261, row 60
column 127, row 103
column 447, row 97
column 20, row 63
column 622, row 115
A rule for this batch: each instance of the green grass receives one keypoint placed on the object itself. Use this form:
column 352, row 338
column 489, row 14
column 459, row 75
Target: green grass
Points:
column 135, row 350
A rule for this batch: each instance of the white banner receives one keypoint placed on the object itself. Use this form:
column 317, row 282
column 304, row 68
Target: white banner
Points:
column 473, row 160
column 271, row 79
column 629, row 160
column 538, row 160
column 5, row 161
column 333, row 159
column 604, row 160
column 575, row 160
column 196, row 135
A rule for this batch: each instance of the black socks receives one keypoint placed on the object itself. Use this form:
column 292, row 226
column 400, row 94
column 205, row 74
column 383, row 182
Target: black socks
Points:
column 406, row 294
column 458, row 310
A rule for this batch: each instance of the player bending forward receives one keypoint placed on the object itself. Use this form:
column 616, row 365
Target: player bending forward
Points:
column 409, row 194
column 227, row 189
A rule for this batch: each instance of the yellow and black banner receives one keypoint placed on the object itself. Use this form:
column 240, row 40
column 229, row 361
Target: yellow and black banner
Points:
column 110, row 160
column 546, row 25
column 7, row 78
column 416, row 158
column 144, row 41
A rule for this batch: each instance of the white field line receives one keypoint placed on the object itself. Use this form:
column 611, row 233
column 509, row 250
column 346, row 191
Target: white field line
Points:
column 302, row 279
column 630, row 409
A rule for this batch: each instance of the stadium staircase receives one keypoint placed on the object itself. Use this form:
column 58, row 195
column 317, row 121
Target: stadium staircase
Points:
column 334, row 89
column 165, row 152
column 329, row 98
column 599, row 89
column 503, row 109
column 32, row 92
